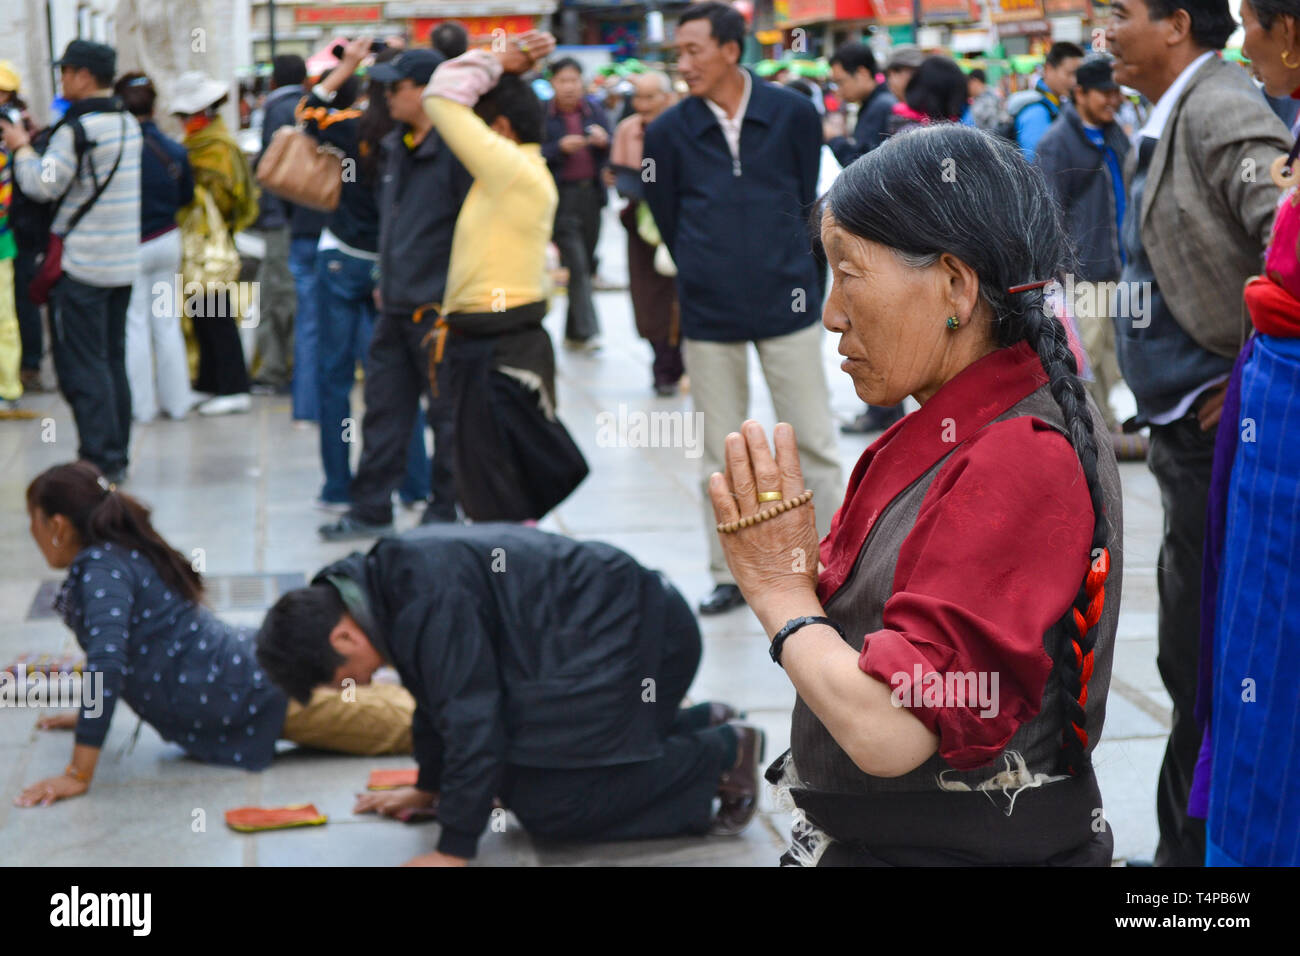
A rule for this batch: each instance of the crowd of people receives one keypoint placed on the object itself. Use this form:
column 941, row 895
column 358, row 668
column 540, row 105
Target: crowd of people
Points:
column 1004, row 262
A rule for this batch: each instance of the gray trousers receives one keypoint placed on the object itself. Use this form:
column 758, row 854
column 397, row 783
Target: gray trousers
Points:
column 1097, row 336
column 792, row 365
column 277, row 302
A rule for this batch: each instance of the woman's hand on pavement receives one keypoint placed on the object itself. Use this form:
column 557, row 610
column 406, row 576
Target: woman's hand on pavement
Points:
column 774, row 561
column 51, row 790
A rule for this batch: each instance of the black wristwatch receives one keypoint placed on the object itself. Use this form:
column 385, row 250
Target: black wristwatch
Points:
column 793, row 625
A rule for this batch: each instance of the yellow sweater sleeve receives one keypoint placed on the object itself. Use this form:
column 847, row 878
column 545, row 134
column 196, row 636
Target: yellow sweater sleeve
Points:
column 491, row 159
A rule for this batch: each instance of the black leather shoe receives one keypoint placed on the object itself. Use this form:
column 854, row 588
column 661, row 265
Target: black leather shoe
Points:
column 348, row 528
column 725, row 597
column 874, row 419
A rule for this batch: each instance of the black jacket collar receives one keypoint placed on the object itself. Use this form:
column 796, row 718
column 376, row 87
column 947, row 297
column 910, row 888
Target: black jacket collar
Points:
column 348, row 577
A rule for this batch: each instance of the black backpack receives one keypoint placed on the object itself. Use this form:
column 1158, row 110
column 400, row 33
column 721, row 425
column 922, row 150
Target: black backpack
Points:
column 31, row 219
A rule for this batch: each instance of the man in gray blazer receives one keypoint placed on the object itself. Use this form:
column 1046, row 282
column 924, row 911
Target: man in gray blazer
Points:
column 1200, row 206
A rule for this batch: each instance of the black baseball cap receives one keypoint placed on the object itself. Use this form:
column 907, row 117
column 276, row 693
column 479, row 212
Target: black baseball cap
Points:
column 1095, row 73
column 416, row 65
column 99, row 58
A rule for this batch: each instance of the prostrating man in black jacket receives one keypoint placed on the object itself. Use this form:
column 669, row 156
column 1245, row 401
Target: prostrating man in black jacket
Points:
column 547, row 672
column 1082, row 158
column 731, row 176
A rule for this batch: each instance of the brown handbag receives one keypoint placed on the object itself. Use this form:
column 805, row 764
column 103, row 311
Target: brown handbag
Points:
column 298, row 168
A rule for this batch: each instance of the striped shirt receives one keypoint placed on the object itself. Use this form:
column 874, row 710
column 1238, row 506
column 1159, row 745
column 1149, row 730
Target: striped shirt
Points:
column 102, row 249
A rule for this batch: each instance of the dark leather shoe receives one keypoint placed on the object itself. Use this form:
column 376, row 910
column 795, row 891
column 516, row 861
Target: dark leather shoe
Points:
column 348, row 528
column 725, row 597
column 874, row 419
column 738, row 787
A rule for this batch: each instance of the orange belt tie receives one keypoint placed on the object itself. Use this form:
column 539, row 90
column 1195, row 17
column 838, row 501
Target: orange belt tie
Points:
column 436, row 340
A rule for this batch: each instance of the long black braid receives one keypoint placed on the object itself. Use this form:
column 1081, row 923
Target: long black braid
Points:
column 953, row 189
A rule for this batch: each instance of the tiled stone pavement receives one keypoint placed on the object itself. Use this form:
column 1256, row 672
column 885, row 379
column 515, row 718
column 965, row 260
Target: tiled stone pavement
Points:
column 241, row 489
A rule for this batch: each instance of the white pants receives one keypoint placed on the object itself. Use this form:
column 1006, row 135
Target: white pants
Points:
column 155, row 346
column 792, row 365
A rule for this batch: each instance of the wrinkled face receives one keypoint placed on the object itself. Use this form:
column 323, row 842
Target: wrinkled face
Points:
column 1097, row 107
column 1265, row 48
column 1137, row 43
column 568, row 88
column 1060, row 78
column 404, row 98
column 649, row 98
column 702, row 63
column 890, row 317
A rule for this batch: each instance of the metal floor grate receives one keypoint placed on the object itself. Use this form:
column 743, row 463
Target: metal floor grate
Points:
column 225, row 592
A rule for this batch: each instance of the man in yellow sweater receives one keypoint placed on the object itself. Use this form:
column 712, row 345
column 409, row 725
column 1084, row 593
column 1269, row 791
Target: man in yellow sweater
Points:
column 489, row 349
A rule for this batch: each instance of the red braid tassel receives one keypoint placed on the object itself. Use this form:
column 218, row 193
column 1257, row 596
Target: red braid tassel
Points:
column 1095, row 588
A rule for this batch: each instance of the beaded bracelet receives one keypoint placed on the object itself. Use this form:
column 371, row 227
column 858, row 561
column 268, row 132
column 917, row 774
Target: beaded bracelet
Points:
column 732, row 526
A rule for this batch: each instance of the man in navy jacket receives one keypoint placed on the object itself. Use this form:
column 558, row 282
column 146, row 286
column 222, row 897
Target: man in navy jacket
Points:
column 731, row 180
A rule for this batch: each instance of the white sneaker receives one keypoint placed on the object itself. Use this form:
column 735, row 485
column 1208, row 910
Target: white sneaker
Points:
column 227, row 405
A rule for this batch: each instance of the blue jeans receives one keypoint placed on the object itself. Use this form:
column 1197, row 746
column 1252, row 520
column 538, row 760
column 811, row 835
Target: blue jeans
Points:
column 345, row 286
column 306, row 332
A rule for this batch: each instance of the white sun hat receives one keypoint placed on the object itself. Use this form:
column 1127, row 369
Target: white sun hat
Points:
column 195, row 91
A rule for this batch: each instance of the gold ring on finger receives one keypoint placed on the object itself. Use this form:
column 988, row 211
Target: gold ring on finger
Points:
column 769, row 496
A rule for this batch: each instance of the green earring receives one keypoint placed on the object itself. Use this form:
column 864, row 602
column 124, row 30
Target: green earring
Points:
column 953, row 324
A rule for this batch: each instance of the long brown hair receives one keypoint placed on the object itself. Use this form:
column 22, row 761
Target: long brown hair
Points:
column 79, row 492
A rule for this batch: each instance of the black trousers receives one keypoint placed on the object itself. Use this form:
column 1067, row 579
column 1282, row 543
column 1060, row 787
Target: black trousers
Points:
column 668, row 796
column 89, row 325
column 222, row 369
column 1181, row 459
column 29, row 313
column 397, row 374
column 577, row 230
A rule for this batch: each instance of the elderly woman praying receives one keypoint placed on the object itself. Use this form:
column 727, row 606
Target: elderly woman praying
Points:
column 952, row 653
